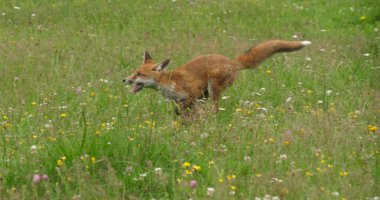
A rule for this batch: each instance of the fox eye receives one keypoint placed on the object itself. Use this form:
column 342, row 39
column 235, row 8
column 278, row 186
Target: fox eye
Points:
column 139, row 74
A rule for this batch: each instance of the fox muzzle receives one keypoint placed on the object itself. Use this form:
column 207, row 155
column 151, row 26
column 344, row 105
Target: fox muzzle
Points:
column 127, row 81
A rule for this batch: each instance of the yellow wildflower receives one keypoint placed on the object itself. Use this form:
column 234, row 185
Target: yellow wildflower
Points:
column 175, row 124
column 93, row 160
column 372, row 128
column 186, row 164
column 343, row 173
column 188, row 172
column 309, row 173
column 284, row 191
column 59, row 162
column 231, row 177
column 196, row 168
column 63, row 115
column 98, row 133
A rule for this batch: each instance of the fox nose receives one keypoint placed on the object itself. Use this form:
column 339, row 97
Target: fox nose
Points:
column 127, row 81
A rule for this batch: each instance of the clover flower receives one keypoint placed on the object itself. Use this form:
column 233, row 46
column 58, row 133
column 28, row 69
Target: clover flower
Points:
column 40, row 177
column 193, row 183
column 37, row 178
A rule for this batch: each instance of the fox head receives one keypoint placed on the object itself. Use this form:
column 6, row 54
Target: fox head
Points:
column 147, row 74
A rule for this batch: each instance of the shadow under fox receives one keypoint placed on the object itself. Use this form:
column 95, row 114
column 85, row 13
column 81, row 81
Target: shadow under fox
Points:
column 204, row 76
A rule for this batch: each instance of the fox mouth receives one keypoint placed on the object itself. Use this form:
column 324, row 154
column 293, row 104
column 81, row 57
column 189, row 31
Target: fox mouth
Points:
column 137, row 87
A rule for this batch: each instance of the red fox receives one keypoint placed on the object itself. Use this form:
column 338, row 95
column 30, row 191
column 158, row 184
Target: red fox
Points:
column 203, row 76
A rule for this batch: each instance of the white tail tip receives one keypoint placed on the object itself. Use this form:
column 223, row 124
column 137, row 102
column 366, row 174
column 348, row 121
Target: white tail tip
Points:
column 305, row 43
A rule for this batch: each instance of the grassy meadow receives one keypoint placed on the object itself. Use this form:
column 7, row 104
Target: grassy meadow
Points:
column 303, row 125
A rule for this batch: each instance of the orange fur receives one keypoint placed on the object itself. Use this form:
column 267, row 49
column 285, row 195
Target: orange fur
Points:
column 203, row 76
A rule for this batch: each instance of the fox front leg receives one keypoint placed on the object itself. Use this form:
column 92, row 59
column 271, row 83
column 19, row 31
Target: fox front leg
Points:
column 185, row 106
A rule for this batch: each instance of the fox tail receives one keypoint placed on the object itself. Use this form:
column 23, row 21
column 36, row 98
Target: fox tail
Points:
column 257, row 54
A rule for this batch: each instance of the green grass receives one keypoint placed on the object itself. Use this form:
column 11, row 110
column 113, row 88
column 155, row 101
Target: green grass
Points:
column 300, row 126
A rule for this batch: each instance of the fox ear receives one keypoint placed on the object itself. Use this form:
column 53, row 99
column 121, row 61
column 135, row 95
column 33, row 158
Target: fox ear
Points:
column 147, row 57
column 162, row 65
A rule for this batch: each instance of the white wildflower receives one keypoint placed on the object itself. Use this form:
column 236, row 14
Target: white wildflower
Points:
column 33, row 149
column 48, row 125
column 256, row 94
column 142, row 176
column 210, row 191
column 204, row 135
column 267, row 197
column 247, row 159
column 283, row 157
column 262, row 109
column 158, row 171
column 335, row 194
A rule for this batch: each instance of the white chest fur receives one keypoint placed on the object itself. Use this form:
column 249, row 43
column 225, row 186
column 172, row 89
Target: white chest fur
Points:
column 171, row 93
